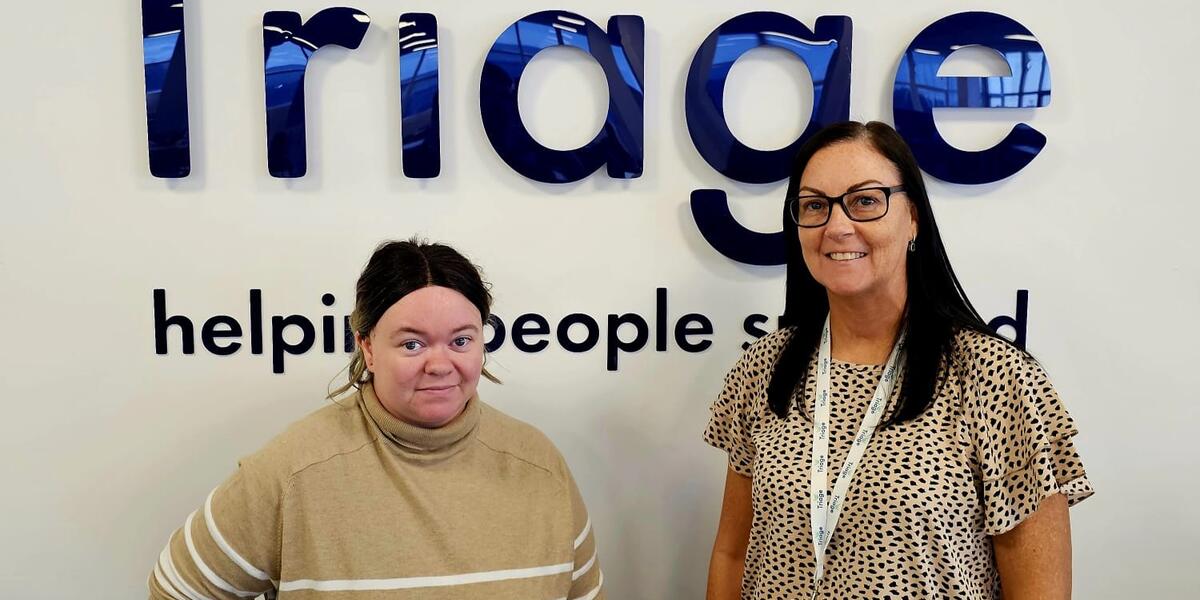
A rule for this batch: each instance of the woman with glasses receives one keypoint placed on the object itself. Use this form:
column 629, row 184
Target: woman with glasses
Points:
column 884, row 442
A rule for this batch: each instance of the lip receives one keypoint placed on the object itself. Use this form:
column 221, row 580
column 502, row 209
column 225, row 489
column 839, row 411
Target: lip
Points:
column 437, row 389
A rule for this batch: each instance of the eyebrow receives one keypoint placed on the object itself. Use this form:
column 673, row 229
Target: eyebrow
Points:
column 406, row 330
column 850, row 189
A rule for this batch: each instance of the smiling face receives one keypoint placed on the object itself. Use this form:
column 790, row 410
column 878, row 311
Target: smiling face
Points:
column 857, row 260
column 425, row 355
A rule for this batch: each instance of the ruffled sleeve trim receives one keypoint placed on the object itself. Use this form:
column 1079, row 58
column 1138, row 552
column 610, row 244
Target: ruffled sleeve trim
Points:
column 1013, row 497
column 1021, row 431
column 739, row 407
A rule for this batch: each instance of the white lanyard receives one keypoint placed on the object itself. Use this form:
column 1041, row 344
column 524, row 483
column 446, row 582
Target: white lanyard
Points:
column 825, row 509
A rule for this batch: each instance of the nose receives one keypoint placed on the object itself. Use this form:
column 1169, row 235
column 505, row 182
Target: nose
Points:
column 839, row 225
column 438, row 363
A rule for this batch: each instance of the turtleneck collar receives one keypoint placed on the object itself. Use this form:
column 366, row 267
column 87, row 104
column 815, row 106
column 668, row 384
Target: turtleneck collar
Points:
column 444, row 440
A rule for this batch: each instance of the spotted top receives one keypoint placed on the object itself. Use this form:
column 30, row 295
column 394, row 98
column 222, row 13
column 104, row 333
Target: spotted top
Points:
column 929, row 493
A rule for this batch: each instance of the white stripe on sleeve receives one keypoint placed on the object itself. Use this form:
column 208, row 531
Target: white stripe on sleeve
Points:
column 250, row 569
column 585, row 568
column 209, row 574
column 596, row 590
column 164, row 584
column 587, row 527
column 168, row 567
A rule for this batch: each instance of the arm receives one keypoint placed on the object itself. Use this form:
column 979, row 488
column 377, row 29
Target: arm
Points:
column 229, row 548
column 587, row 580
column 1034, row 558
column 1029, row 470
column 733, row 535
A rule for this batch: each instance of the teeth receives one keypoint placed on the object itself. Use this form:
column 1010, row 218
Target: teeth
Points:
column 846, row 255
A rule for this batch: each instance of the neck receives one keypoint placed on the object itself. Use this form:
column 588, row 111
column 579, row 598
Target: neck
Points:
column 863, row 330
column 416, row 441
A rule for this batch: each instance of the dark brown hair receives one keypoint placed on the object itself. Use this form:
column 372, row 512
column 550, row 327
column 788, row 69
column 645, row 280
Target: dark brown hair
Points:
column 397, row 269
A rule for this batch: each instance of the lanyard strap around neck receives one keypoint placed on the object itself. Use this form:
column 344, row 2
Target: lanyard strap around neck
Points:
column 825, row 508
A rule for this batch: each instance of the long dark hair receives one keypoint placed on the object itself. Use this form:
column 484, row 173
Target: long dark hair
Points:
column 397, row 269
column 937, row 306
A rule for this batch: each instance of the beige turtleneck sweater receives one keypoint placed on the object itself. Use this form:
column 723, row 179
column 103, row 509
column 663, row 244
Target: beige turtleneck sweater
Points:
column 351, row 503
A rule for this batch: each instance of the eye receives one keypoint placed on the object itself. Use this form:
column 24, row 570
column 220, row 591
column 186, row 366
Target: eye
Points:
column 865, row 200
column 462, row 341
column 411, row 345
column 813, row 204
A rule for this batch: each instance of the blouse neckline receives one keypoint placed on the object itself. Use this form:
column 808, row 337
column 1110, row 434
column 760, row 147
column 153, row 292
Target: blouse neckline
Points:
column 850, row 366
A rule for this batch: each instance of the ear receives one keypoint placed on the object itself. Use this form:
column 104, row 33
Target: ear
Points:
column 915, row 222
column 368, row 351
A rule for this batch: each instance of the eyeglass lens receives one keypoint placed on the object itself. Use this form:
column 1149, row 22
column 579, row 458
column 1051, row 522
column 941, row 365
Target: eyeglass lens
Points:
column 861, row 205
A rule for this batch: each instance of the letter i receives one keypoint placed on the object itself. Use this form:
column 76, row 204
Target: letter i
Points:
column 327, row 333
column 420, row 127
column 165, row 61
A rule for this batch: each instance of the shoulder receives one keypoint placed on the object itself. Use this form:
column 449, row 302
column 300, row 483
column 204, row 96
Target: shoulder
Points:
column 979, row 354
column 332, row 430
column 503, row 434
column 998, row 376
column 758, row 361
column 744, row 390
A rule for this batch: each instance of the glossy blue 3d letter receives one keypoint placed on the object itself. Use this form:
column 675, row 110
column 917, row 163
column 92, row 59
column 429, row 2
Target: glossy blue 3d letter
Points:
column 287, row 46
column 826, row 52
column 918, row 90
column 166, row 88
column 419, row 125
column 620, row 54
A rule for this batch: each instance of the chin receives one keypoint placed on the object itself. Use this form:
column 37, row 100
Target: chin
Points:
column 845, row 287
column 436, row 414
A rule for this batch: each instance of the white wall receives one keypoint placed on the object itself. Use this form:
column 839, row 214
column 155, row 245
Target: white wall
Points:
column 107, row 446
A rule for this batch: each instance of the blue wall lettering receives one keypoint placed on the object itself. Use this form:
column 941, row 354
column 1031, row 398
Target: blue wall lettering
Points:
column 619, row 144
column 918, row 90
column 166, row 88
column 287, row 46
column 419, row 125
column 710, row 209
column 289, row 43
column 826, row 52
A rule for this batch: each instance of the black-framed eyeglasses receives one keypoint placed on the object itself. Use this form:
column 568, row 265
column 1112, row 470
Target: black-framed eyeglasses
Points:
column 863, row 204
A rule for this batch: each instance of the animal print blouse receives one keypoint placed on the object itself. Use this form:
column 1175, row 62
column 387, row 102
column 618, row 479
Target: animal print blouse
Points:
column 929, row 493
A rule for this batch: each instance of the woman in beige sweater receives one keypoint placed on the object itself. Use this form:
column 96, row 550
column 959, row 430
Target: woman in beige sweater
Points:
column 409, row 485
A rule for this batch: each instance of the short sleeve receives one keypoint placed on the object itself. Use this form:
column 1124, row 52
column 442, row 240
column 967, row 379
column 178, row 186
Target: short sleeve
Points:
column 736, row 411
column 1023, row 438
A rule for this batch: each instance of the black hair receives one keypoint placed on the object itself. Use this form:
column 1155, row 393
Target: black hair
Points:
column 937, row 307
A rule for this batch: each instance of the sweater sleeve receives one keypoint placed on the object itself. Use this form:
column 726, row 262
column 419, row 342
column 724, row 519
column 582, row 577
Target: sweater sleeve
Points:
column 587, row 580
column 228, row 549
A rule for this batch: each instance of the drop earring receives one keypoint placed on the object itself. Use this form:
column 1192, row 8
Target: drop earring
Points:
column 912, row 245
